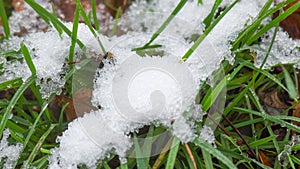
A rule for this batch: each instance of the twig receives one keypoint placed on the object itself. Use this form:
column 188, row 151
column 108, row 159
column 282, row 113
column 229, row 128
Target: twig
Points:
column 162, row 155
column 191, row 155
column 237, row 131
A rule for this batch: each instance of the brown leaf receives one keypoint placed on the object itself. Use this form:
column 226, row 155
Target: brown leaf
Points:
column 18, row 5
column 264, row 159
column 77, row 106
column 270, row 98
column 82, row 101
column 69, row 110
column 292, row 23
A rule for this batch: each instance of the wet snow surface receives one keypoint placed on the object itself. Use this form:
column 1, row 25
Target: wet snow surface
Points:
column 135, row 91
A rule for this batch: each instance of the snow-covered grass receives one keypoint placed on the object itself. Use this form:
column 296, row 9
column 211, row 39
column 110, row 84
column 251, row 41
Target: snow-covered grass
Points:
column 176, row 87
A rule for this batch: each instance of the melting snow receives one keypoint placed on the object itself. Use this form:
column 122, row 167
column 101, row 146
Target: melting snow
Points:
column 9, row 154
column 135, row 91
column 284, row 50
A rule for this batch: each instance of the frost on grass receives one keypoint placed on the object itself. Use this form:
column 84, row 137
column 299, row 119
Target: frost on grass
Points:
column 207, row 134
column 283, row 157
column 284, row 49
column 48, row 51
column 27, row 20
column 9, row 154
column 132, row 97
column 133, row 92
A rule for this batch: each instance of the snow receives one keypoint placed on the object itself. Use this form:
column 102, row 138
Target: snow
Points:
column 135, row 91
column 284, row 50
column 27, row 20
column 9, row 154
column 48, row 60
column 283, row 157
column 207, row 134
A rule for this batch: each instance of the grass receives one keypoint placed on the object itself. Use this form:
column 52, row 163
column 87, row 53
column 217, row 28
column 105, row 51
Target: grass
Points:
column 38, row 129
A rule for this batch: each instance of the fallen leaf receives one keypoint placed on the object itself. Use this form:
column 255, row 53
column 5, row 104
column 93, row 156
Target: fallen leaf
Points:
column 69, row 110
column 18, row 5
column 292, row 23
column 264, row 159
column 270, row 98
column 82, row 101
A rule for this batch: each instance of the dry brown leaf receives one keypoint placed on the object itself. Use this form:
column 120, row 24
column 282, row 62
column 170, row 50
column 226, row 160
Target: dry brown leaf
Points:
column 270, row 98
column 292, row 23
column 77, row 106
column 69, row 110
column 264, row 159
column 18, row 5
column 82, row 101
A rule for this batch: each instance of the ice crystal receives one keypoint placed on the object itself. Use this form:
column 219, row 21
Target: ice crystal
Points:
column 283, row 156
column 9, row 153
column 207, row 134
column 284, row 49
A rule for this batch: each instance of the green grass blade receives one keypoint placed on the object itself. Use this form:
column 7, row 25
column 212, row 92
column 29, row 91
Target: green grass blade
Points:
column 139, row 159
column 270, row 118
column 207, row 159
column 173, row 153
column 165, row 24
column 267, row 74
column 4, row 19
column 10, row 83
column 208, row 100
column 28, row 59
column 213, row 151
column 59, row 30
column 114, row 30
column 94, row 11
column 124, row 166
column 293, row 92
column 207, row 31
column 207, row 21
column 250, row 30
column 74, row 32
column 274, row 22
column 88, row 23
column 14, row 100
column 48, row 17
column 37, row 147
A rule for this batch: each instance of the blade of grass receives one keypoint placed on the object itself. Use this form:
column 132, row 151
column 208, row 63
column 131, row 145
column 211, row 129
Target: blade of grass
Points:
column 4, row 20
column 124, row 166
column 37, row 147
column 59, row 30
column 94, row 11
column 207, row 21
column 14, row 100
column 173, row 153
column 28, row 59
column 74, row 32
column 165, row 24
column 256, row 23
column 10, row 83
column 207, row 159
column 139, row 160
column 270, row 118
column 48, row 17
column 114, row 30
column 88, row 22
column 274, row 22
column 207, row 31
column 213, row 151
column 293, row 92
